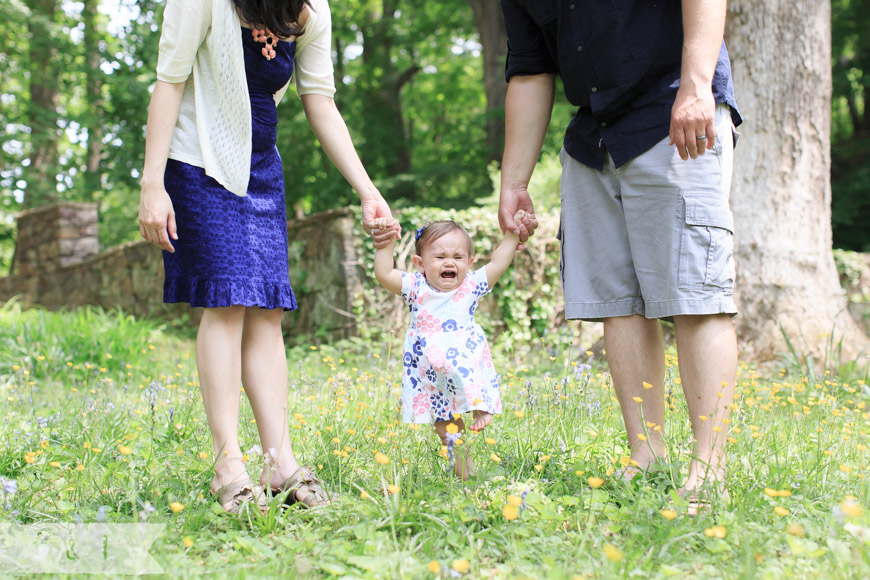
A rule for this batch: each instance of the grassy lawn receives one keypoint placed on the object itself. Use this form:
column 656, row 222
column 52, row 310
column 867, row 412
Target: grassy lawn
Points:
column 102, row 421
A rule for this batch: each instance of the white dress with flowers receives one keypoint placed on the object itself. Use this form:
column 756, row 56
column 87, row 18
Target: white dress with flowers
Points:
column 447, row 366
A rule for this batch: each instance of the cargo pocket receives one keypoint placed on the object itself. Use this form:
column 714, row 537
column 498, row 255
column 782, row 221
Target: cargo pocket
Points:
column 707, row 244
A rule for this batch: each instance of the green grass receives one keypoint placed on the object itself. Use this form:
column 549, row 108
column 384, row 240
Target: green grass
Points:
column 81, row 389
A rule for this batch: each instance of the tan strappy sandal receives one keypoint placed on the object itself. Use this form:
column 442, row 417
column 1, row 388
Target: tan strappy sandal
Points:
column 304, row 488
column 234, row 495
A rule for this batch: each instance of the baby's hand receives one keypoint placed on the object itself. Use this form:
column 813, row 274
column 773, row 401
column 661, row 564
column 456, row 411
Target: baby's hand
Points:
column 384, row 225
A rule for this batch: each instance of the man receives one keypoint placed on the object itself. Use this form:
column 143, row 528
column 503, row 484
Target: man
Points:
column 646, row 229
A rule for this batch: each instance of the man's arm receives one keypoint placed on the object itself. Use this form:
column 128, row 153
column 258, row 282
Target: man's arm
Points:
column 528, row 106
column 694, row 109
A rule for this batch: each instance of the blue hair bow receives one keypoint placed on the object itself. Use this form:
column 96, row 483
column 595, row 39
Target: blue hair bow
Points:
column 419, row 233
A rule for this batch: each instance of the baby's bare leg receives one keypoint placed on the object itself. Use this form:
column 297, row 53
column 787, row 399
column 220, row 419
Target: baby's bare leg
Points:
column 481, row 420
column 462, row 465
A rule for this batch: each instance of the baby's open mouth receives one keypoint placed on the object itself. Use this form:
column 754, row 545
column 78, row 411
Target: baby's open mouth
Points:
column 450, row 275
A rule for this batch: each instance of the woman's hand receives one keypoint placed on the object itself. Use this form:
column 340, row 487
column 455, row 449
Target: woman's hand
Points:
column 376, row 211
column 157, row 217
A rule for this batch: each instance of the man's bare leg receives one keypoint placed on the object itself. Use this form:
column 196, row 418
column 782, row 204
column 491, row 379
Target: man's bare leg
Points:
column 634, row 350
column 707, row 350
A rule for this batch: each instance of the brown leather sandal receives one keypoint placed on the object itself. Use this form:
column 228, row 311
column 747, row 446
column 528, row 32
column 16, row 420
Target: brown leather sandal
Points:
column 233, row 496
column 304, row 488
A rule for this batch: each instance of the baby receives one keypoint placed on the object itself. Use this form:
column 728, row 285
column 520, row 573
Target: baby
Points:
column 447, row 368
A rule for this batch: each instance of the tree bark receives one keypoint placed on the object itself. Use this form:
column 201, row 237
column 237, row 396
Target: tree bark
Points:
column 384, row 123
column 93, row 88
column 781, row 196
column 42, row 109
column 490, row 26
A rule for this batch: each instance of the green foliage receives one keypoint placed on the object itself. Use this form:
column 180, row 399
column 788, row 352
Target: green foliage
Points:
column 850, row 127
column 124, row 445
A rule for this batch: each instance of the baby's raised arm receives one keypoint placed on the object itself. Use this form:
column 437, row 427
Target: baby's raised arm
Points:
column 389, row 277
column 503, row 254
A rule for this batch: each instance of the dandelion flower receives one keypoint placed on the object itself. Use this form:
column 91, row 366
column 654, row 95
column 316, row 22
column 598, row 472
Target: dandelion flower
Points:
column 612, row 553
column 784, row 493
column 641, row 436
column 489, row 441
column 668, row 514
column 795, row 529
column 452, row 428
column 460, row 565
column 781, row 511
column 637, row 399
column 393, row 488
column 187, row 541
column 515, row 500
column 176, row 506
column 519, row 414
column 363, row 495
column 510, row 512
column 646, row 385
column 595, row 482
column 495, row 457
column 381, row 458
column 124, row 450
column 771, row 492
column 434, row 567
column 716, row 532
column 851, row 507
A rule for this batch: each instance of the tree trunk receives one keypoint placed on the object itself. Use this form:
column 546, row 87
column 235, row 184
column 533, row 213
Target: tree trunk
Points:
column 781, row 197
column 42, row 110
column 93, row 88
column 490, row 26
column 384, row 124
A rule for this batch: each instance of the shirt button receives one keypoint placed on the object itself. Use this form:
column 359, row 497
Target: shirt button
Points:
column 579, row 48
column 603, row 124
column 594, row 89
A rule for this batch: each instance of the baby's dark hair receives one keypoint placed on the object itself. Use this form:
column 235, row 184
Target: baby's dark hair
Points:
column 437, row 230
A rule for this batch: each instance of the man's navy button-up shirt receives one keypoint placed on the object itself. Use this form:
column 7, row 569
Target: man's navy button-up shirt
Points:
column 620, row 64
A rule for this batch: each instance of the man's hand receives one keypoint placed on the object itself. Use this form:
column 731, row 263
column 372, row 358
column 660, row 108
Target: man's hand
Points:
column 510, row 203
column 693, row 117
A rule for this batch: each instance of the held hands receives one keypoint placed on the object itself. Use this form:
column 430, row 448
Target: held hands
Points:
column 376, row 211
column 693, row 128
column 516, row 214
column 385, row 232
column 157, row 217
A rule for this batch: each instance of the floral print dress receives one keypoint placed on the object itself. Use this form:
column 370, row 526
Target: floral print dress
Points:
column 447, row 365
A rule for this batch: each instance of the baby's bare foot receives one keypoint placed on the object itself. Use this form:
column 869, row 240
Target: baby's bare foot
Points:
column 481, row 420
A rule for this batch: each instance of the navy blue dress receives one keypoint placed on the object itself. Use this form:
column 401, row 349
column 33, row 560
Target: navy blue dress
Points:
column 232, row 250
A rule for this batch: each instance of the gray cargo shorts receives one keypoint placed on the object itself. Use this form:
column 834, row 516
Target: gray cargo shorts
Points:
column 653, row 237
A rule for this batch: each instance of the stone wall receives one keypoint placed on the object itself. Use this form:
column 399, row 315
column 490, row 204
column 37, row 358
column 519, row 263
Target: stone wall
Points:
column 57, row 265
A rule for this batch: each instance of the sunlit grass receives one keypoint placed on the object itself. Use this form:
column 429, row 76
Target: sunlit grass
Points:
column 103, row 422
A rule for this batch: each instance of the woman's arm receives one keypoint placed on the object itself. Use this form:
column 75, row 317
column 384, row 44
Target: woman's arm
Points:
column 156, row 215
column 502, row 256
column 331, row 131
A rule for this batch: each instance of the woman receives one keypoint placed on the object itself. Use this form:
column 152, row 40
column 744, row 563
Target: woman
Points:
column 213, row 198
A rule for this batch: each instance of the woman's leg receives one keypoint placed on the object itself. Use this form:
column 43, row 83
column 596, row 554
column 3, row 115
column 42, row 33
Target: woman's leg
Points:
column 218, row 362
column 264, row 374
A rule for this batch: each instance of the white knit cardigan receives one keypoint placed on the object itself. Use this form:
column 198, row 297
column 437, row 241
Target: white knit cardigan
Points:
column 202, row 38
